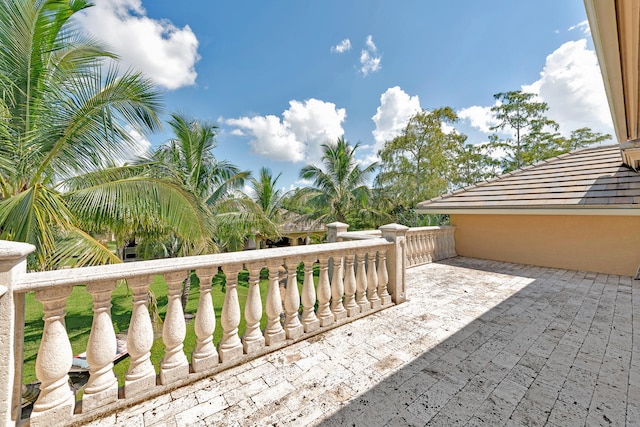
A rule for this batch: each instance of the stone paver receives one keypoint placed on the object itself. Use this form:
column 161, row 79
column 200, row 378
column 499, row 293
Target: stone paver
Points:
column 479, row 343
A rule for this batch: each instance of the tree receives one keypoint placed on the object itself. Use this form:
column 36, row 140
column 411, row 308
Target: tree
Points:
column 65, row 117
column 339, row 188
column 269, row 199
column 419, row 164
column 518, row 113
column 474, row 164
column 535, row 137
column 189, row 157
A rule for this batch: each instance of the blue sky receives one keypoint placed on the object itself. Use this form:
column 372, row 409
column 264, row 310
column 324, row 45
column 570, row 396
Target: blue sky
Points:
column 282, row 77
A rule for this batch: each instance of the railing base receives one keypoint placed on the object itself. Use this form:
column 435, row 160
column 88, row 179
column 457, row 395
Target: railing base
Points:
column 167, row 376
column 230, row 354
column 253, row 346
column 96, row 400
column 353, row 311
column 140, row 385
column 294, row 332
column 53, row 417
column 273, row 339
column 205, row 363
column 311, row 325
column 326, row 321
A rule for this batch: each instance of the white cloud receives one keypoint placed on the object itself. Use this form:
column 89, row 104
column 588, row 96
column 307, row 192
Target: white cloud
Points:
column 497, row 153
column 163, row 52
column 369, row 58
column 249, row 191
column 582, row 26
column 479, row 117
column 301, row 183
column 342, row 47
column 395, row 110
column 571, row 85
column 298, row 137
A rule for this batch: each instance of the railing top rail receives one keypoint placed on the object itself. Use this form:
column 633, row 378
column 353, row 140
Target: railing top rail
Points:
column 83, row 275
column 360, row 235
column 433, row 227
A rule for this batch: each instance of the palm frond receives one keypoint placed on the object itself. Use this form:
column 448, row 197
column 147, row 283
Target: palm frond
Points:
column 78, row 249
column 128, row 205
column 33, row 216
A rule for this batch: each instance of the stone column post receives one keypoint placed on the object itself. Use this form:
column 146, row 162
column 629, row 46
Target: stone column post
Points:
column 334, row 229
column 396, row 260
column 13, row 264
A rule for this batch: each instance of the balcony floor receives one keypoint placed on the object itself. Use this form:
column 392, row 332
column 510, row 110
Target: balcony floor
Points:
column 479, row 343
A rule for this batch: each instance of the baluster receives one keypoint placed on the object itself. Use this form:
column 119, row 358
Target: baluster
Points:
column 230, row 347
column 282, row 280
column 423, row 247
column 430, row 246
column 372, row 281
column 350, row 304
column 337, row 290
column 174, row 365
column 56, row 401
column 383, row 278
column 416, row 248
column 253, row 340
column 452, row 242
column 438, row 241
column 361, row 284
column 309, row 319
column 274, row 333
column 141, row 375
column 434, row 238
column 102, row 387
column 205, row 355
column 445, row 243
column 324, row 293
column 410, row 242
column 420, row 246
column 292, row 325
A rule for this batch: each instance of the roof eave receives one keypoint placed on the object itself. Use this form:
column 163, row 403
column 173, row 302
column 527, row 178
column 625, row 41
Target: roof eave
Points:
column 597, row 210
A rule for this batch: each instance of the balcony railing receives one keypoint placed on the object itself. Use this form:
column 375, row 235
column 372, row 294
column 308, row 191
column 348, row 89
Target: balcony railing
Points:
column 429, row 244
column 358, row 273
column 355, row 278
column 424, row 244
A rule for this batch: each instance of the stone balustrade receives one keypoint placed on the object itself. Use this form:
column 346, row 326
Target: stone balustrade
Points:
column 428, row 244
column 424, row 244
column 355, row 278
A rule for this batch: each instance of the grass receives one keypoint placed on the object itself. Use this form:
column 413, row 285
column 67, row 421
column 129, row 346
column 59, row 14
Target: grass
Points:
column 79, row 315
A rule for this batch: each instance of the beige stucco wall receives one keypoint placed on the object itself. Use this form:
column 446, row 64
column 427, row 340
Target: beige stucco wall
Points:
column 606, row 244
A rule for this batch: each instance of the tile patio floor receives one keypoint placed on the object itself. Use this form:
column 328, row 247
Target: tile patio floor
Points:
column 480, row 343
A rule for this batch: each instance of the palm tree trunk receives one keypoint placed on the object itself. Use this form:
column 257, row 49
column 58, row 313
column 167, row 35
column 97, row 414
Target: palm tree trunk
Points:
column 186, row 289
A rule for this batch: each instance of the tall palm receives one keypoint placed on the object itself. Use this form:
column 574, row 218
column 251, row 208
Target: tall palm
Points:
column 269, row 199
column 340, row 185
column 189, row 157
column 65, row 116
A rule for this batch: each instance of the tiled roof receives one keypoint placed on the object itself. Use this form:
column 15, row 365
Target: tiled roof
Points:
column 592, row 178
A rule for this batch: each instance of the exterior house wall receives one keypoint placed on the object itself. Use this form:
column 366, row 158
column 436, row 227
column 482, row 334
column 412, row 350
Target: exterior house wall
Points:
column 605, row 244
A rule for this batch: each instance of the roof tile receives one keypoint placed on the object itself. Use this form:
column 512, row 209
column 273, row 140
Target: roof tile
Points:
column 591, row 177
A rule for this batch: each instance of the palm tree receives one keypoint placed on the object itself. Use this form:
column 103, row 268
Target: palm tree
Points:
column 64, row 117
column 188, row 157
column 217, row 184
column 340, row 185
column 269, row 199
